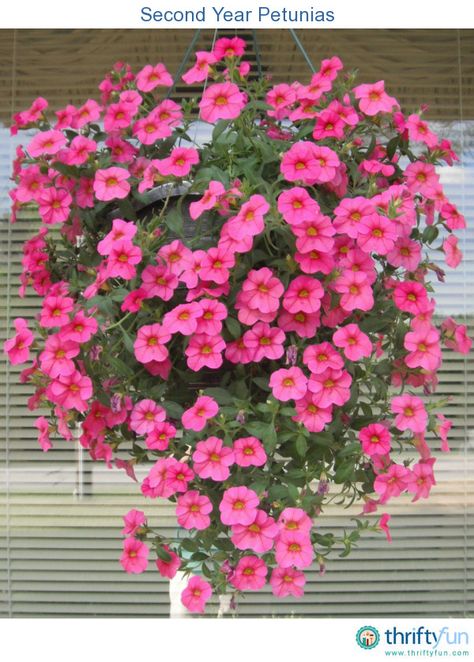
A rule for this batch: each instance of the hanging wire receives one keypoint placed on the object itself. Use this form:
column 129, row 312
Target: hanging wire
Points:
column 258, row 58
column 303, row 51
column 184, row 61
column 205, row 82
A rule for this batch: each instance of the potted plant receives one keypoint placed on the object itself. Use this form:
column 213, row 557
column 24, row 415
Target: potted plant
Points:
column 251, row 317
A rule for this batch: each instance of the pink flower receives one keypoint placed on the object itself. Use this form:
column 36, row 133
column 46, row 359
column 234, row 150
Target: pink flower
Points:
column 373, row 99
column 183, row 319
column 55, row 311
column 179, row 162
column 294, row 547
column 193, row 510
column 330, row 387
column 121, row 231
column 204, row 351
column 356, row 292
column 424, row 348
column 392, row 483
column 322, row 356
column 262, row 290
column 178, row 475
column 349, row 214
column 258, row 536
column 111, row 183
column 159, row 282
column 303, row 294
column 46, row 143
column 375, row 439
column 249, row 221
column 411, row 413
column 196, row 417
column 288, row 384
column 122, row 260
column 228, row 47
column 250, row 574
column 296, row 520
column 133, row 521
column 406, row 253
column 169, row 568
column 411, row 297
column 134, row 558
column 42, row 424
column 453, row 255
column 196, row 594
column 71, row 391
column 150, row 77
column 287, row 581
column 212, row 314
column 238, row 506
column 354, row 343
column 383, row 525
column 201, row 69
column 418, row 131
column 309, row 163
column 56, row 358
column 145, row 415
column 249, row 452
column 209, row 200
column 296, row 205
column 377, row 234
column 455, row 336
column 311, row 414
column 265, row 341
column 421, row 479
column 216, row 265
column 18, row 347
column 54, row 205
column 159, row 438
column 442, row 430
column 150, row 343
column 212, row 459
column 421, row 177
column 221, row 101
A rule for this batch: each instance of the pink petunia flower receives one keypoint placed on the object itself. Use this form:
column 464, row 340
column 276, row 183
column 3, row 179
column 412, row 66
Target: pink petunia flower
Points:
column 410, row 296
column 160, row 437
column 411, row 413
column 169, row 568
column 150, row 77
column 192, row 510
column 249, row 452
column 54, row 205
column 258, row 536
column 287, row 581
column 196, row 417
column 377, row 234
column 424, row 348
column 294, row 548
column 55, row 311
column 375, row 439
column 309, row 163
column 145, row 415
column 265, row 341
column 228, row 47
column 455, row 336
column 123, row 259
column 46, row 143
column 111, row 183
column 322, row 356
column 238, row 506
column 182, row 318
column 354, row 343
column 121, row 231
column 71, row 391
column 262, row 290
column 373, row 99
column 133, row 521
column 311, row 414
column 42, row 425
column 56, row 358
column 196, row 595
column 453, row 254
column 392, row 483
column 221, row 101
column 356, row 292
column 421, row 479
column 331, row 387
column 209, row 200
column 421, row 178
column 250, row 574
column 295, row 519
column 288, row 384
column 303, row 294
column 204, row 351
column 383, row 525
column 150, row 343
column 296, row 205
column 159, row 281
column 250, row 219
column 200, row 70
column 134, row 558
column 212, row 314
column 211, row 459
column 18, row 347
column 178, row 163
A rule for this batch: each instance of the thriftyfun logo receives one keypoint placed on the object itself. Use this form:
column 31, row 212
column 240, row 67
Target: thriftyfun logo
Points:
column 368, row 637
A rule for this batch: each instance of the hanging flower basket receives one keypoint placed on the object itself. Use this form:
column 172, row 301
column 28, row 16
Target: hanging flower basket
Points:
column 249, row 318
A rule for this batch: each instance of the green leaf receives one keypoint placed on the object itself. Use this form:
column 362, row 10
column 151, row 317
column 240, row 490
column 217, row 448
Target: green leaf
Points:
column 270, row 439
column 174, row 221
column 350, row 449
column 233, row 327
column 219, row 129
column 262, row 382
column 173, row 409
column 301, row 445
column 127, row 340
column 344, row 472
column 163, row 554
column 120, row 368
column 127, row 209
column 220, row 395
column 293, row 492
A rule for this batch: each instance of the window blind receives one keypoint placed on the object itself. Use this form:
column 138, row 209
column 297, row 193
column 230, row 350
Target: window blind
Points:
column 60, row 514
